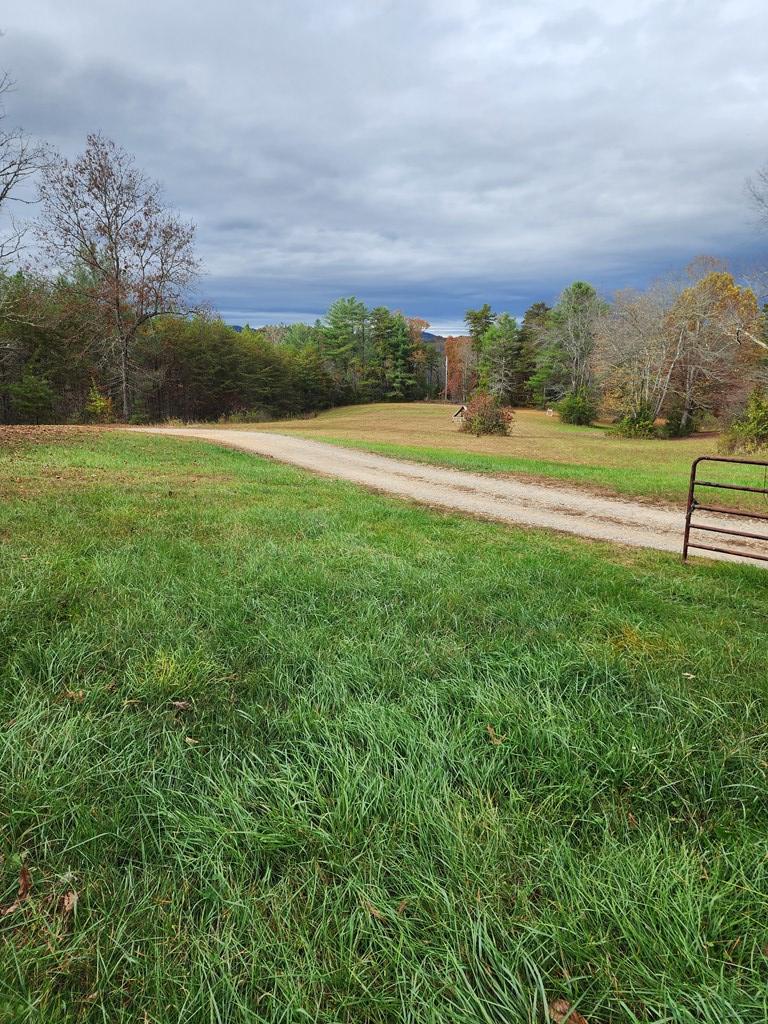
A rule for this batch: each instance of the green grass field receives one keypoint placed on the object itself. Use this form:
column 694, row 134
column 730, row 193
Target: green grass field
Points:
column 275, row 749
column 538, row 447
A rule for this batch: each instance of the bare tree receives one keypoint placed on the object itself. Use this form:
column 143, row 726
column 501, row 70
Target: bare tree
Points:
column 567, row 342
column 103, row 218
column 757, row 192
column 677, row 347
column 20, row 158
column 637, row 352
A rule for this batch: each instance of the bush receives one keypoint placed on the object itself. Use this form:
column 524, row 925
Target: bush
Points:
column 485, row 415
column 247, row 416
column 674, row 427
column 637, row 424
column 749, row 434
column 579, row 408
column 98, row 408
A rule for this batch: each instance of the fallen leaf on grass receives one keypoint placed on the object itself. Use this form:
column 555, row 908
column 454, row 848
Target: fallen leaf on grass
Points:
column 25, row 882
column 25, row 886
column 67, row 903
column 495, row 740
column 562, row 1012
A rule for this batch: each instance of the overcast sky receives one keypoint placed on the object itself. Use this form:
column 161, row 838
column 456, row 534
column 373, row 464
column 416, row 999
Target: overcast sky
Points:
column 428, row 155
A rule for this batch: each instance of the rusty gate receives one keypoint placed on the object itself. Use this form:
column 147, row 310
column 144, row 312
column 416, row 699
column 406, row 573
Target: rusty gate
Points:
column 695, row 506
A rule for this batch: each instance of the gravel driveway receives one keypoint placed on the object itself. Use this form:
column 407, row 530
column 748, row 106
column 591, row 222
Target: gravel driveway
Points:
column 617, row 520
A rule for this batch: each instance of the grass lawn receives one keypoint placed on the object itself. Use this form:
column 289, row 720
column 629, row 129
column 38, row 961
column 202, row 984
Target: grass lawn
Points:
column 539, row 446
column 276, row 749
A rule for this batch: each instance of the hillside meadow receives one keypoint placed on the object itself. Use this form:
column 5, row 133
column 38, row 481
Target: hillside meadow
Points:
column 274, row 748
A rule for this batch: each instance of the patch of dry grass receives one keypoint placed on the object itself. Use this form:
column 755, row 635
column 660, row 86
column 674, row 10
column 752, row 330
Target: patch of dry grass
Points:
column 534, row 435
column 12, row 438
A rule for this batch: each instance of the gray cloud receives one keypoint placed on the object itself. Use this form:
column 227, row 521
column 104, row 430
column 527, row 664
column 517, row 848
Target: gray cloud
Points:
column 423, row 154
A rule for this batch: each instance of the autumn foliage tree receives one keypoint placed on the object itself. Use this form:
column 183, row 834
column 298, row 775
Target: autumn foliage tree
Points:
column 486, row 415
column 102, row 215
column 461, row 367
column 711, row 369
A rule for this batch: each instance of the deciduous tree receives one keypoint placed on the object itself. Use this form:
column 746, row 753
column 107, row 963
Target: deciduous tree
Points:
column 712, row 371
column 461, row 361
column 101, row 213
column 675, row 349
column 757, row 192
column 636, row 353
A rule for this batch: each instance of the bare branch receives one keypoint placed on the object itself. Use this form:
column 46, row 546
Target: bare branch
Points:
column 20, row 159
column 757, row 193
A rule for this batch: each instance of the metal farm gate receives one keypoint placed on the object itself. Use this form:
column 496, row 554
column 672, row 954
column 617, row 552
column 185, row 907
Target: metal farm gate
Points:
column 696, row 506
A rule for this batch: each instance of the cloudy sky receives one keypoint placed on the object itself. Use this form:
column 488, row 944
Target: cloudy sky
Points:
column 428, row 155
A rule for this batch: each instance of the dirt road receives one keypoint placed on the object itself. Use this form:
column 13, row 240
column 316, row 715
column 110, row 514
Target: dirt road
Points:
column 504, row 500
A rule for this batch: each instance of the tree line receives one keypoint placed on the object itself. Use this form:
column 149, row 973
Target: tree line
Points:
column 690, row 346
column 58, row 364
column 685, row 348
column 101, row 327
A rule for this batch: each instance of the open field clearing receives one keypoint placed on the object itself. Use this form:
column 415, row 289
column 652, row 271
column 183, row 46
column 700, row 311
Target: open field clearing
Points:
column 538, row 446
column 274, row 748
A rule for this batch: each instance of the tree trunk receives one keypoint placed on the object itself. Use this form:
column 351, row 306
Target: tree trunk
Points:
column 124, row 379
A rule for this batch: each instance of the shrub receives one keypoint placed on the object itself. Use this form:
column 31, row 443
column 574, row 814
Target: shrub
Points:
column 579, row 408
column 674, row 427
column 247, row 416
column 485, row 415
column 98, row 408
column 749, row 434
column 637, row 424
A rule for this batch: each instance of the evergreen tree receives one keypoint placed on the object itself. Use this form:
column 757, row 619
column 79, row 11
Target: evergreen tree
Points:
column 31, row 400
column 499, row 359
column 346, row 344
column 478, row 322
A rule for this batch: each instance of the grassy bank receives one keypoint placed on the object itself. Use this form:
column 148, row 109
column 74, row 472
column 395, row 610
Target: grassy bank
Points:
column 538, row 447
column 276, row 749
